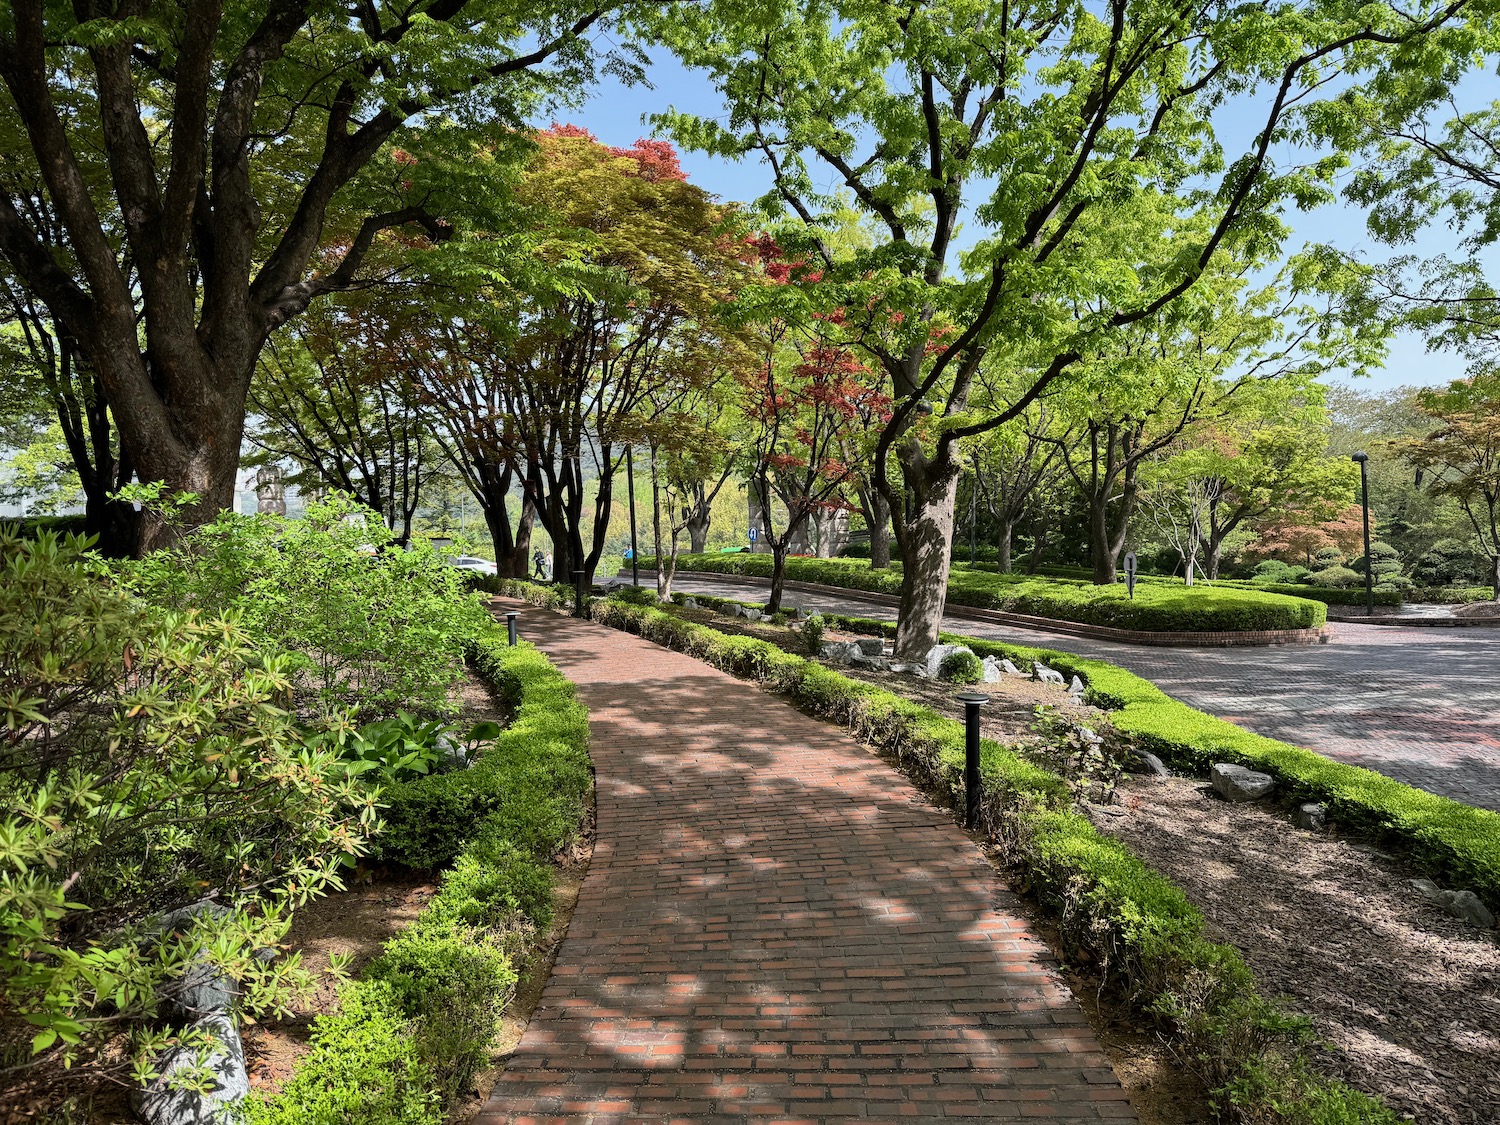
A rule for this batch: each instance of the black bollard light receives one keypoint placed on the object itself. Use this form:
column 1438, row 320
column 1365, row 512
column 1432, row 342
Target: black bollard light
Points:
column 578, row 592
column 510, row 627
column 972, row 701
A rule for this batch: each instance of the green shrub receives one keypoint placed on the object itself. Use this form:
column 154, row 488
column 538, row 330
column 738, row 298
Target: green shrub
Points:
column 961, row 668
column 812, row 633
column 528, row 786
column 451, row 982
column 146, row 763
column 1338, row 577
column 364, row 1067
column 1156, row 607
column 370, row 626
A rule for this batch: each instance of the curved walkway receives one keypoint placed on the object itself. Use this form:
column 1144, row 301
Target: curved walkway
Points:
column 1420, row 705
column 777, row 926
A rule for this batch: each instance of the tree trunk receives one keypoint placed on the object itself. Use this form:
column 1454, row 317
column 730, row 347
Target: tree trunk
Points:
column 1495, row 576
column 1002, row 544
column 698, row 520
column 1103, row 553
column 204, row 461
column 926, row 545
column 878, row 519
column 778, row 576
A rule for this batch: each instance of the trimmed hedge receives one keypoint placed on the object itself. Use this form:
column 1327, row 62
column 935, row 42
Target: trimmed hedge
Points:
column 1156, row 608
column 407, row 1038
column 1456, row 842
column 1326, row 595
column 1137, row 924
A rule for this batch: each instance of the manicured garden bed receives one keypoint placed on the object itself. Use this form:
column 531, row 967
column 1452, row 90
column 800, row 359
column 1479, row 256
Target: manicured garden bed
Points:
column 411, row 1031
column 1156, row 607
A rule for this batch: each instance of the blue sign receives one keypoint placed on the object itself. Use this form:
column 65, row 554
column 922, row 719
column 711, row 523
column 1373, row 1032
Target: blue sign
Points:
column 754, row 534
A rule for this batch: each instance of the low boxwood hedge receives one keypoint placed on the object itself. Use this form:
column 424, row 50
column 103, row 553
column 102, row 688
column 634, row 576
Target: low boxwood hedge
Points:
column 1455, row 842
column 408, row 1036
column 1138, row 925
column 1156, row 607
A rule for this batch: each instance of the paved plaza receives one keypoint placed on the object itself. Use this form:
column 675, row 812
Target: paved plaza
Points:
column 776, row 925
column 1421, row 705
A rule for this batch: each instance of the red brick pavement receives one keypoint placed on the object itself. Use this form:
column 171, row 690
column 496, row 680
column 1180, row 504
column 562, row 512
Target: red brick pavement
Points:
column 776, row 926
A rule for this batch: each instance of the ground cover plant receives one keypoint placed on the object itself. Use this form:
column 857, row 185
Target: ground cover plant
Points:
column 409, row 1034
column 1133, row 922
column 1155, row 607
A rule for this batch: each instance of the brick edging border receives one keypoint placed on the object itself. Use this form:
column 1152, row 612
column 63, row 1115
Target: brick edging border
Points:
column 1219, row 639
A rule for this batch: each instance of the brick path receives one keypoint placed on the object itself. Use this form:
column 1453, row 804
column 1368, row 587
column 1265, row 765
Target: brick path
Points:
column 776, row 926
column 1420, row 705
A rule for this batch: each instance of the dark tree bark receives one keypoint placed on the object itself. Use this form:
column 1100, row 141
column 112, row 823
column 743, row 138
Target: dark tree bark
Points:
column 172, row 253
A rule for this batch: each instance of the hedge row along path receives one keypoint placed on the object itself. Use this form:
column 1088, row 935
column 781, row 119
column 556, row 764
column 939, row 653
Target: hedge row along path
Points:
column 1418, row 705
column 776, row 925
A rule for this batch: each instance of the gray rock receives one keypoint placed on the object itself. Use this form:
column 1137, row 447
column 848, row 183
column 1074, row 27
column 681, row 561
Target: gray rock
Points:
column 871, row 646
column 1236, row 783
column 1076, row 687
column 1467, row 905
column 874, row 663
column 1461, row 904
column 844, row 652
column 1089, row 736
column 992, row 670
column 1313, row 817
column 1152, row 764
column 753, row 614
column 689, row 603
column 939, row 653
column 793, row 610
column 908, row 669
column 201, row 991
column 183, row 917
column 1042, row 673
column 1427, row 888
column 1010, row 669
column 160, row 1104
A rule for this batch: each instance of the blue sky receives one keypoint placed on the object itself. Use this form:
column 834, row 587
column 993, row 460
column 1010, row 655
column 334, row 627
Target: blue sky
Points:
column 615, row 113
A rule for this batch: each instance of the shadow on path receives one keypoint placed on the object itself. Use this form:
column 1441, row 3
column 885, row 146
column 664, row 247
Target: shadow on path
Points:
column 776, row 924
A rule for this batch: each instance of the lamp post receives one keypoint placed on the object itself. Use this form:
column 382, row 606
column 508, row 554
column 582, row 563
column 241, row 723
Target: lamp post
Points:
column 1364, row 503
column 972, row 701
column 635, row 570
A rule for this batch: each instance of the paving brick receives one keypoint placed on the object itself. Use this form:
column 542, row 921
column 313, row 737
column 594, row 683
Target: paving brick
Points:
column 777, row 925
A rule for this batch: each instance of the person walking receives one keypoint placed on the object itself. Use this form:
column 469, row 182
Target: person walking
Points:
column 536, row 557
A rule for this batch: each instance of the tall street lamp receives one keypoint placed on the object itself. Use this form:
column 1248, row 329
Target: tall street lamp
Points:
column 1364, row 502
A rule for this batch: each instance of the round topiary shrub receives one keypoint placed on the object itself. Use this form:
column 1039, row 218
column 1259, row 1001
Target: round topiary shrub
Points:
column 1336, row 578
column 961, row 667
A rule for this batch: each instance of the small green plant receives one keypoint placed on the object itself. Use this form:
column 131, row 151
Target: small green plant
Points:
column 961, row 668
column 812, row 633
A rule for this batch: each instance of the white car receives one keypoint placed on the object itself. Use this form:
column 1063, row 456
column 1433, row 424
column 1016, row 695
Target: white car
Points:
column 478, row 566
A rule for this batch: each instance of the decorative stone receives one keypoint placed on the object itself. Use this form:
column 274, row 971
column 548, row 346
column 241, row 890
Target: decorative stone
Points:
column 201, row 991
column 1088, row 736
column 1152, row 764
column 844, row 652
column 1010, row 669
column 689, row 603
column 908, row 669
column 871, row 646
column 939, row 653
column 1465, row 905
column 1043, row 674
column 1313, row 817
column 1236, row 783
column 992, row 670
column 1076, row 687
column 160, row 1104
